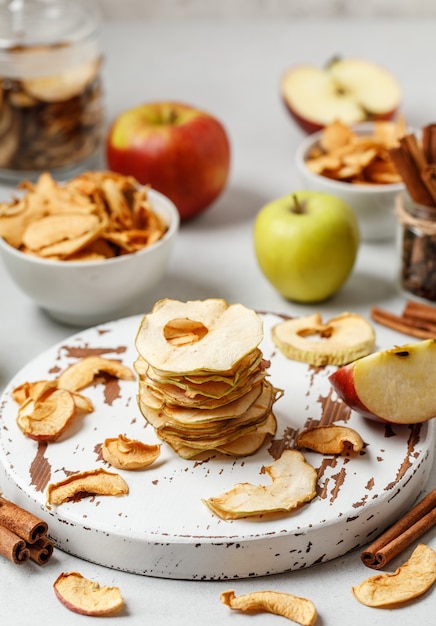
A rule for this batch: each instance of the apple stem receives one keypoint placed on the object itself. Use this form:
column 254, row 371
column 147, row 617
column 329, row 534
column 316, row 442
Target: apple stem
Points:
column 298, row 206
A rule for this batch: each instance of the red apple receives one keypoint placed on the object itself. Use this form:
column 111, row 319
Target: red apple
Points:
column 346, row 90
column 395, row 385
column 179, row 150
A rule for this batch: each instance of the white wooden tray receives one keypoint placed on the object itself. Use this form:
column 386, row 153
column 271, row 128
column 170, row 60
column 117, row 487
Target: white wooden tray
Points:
column 162, row 528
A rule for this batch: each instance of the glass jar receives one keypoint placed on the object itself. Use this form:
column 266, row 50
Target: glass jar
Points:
column 51, row 101
column 417, row 248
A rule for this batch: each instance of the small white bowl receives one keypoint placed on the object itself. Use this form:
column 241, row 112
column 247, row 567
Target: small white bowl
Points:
column 85, row 293
column 374, row 205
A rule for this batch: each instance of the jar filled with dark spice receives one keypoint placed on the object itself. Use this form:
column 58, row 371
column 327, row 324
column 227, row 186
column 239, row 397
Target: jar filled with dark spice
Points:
column 417, row 248
column 51, row 100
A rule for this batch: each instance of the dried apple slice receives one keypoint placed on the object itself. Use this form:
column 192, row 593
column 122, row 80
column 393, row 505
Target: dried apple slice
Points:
column 84, row 596
column 63, row 86
column 96, row 482
column 129, row 454
column 293, row 484
column 235, row 328
column 47, row 417
column 342, row 339
column 298, row 610
column 409, row 581
column 82, row 373
column 31, row 390
column 333, row 439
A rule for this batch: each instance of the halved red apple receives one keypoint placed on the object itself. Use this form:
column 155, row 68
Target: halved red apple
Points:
column 395, row 385
column 347, row 90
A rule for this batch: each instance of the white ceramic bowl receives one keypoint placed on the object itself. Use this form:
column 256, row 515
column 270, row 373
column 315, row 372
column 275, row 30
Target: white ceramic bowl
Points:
column 85, row 293
column 374, row 205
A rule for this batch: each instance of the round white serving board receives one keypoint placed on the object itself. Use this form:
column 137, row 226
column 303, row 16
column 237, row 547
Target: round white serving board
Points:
column 162, row 528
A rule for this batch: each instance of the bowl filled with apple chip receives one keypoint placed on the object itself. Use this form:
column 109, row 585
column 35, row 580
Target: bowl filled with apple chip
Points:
column 88, row 250
column 354, row 163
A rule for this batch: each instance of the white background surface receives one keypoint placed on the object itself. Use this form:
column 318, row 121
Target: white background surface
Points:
column 231, row 68
column 272, row 8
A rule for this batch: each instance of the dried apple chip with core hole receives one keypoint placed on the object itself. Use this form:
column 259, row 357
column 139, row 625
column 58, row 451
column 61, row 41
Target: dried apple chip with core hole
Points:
column 47, row 417
column 84, row 596
column 293, row 484
column 332, row 439
column 82, row 373
column 129, row 454
column 90, row 483
column 339, row 341
column 409, row 581
column 202, row 377
column 298, row 610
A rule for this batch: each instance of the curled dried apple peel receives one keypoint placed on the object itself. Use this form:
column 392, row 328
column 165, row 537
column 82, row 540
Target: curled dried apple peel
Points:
column 409, row 581
column 294, row 608
column 293, row 483
column 129, row 454
column 332, row 439
column 97, row 482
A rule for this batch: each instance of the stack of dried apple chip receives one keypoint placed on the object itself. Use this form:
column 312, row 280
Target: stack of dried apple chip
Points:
column 203, row 379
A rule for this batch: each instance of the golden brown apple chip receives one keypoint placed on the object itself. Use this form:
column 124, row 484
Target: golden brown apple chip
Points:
column 129, row 454
column 203, row 379
column 46, row 418
column 293, row 484
column 298, row 610
column 333, row 439
column 342, row 154
column 408, row 582
column 84, row 596
column 82, row 373
column 65, row 221
column 338, row 341
column 30, row 390
column 97, row 482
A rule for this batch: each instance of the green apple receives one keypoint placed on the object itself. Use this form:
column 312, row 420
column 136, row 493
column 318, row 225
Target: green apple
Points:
column 306, row 244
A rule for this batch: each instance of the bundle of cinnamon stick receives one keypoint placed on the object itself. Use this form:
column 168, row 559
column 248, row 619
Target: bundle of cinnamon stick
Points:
column 23, row 536
column 415, row 523
column 416, row 163
column 417, row 319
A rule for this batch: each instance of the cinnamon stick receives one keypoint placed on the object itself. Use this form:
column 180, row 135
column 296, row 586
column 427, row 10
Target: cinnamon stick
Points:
column 411, row 175
column 419, row 311
column 429, row 143
column 21, row 522
column 417, row 521
column 404, row 324
column 13, row 547
column 41, row 550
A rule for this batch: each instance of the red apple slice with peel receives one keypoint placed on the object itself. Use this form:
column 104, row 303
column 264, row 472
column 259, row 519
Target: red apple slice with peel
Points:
column 346, row 90
column 395, row 385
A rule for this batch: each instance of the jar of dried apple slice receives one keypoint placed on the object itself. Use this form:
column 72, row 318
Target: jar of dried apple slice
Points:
column 51, row 97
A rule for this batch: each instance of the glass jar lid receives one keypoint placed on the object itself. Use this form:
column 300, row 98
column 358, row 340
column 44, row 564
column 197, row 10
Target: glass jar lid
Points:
column 45, row 22
column 49, row 34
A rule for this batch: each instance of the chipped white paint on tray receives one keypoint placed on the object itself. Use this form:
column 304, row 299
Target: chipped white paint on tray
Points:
column 162, row 528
